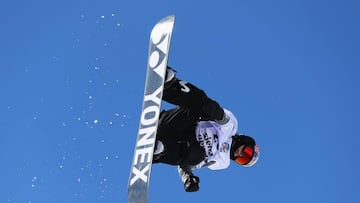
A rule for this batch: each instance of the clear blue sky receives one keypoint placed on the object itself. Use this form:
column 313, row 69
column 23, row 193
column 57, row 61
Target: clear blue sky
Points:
column 72, row 78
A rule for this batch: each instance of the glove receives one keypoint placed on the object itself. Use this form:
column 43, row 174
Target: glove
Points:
column 192, row 184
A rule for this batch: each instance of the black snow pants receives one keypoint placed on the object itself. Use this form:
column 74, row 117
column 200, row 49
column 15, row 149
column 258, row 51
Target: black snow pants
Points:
column 176, row 128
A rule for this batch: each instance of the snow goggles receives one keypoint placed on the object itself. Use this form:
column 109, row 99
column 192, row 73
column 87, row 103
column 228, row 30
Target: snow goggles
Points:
column 247, row 156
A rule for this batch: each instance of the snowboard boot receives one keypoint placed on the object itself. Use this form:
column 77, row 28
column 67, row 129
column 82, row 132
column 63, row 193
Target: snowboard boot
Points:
column 170, row 74
column 159, row 151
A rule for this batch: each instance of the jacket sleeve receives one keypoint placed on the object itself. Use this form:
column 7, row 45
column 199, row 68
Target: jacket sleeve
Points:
column 187, row 95
column 185, row 172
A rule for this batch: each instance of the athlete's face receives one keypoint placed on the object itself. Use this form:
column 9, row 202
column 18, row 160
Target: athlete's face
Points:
column 243, row 154
column 239, row 152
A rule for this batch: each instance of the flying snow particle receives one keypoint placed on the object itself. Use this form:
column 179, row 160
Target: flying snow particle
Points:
column 34, row 179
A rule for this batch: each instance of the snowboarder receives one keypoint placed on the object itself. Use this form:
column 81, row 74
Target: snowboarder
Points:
column 198, row 133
